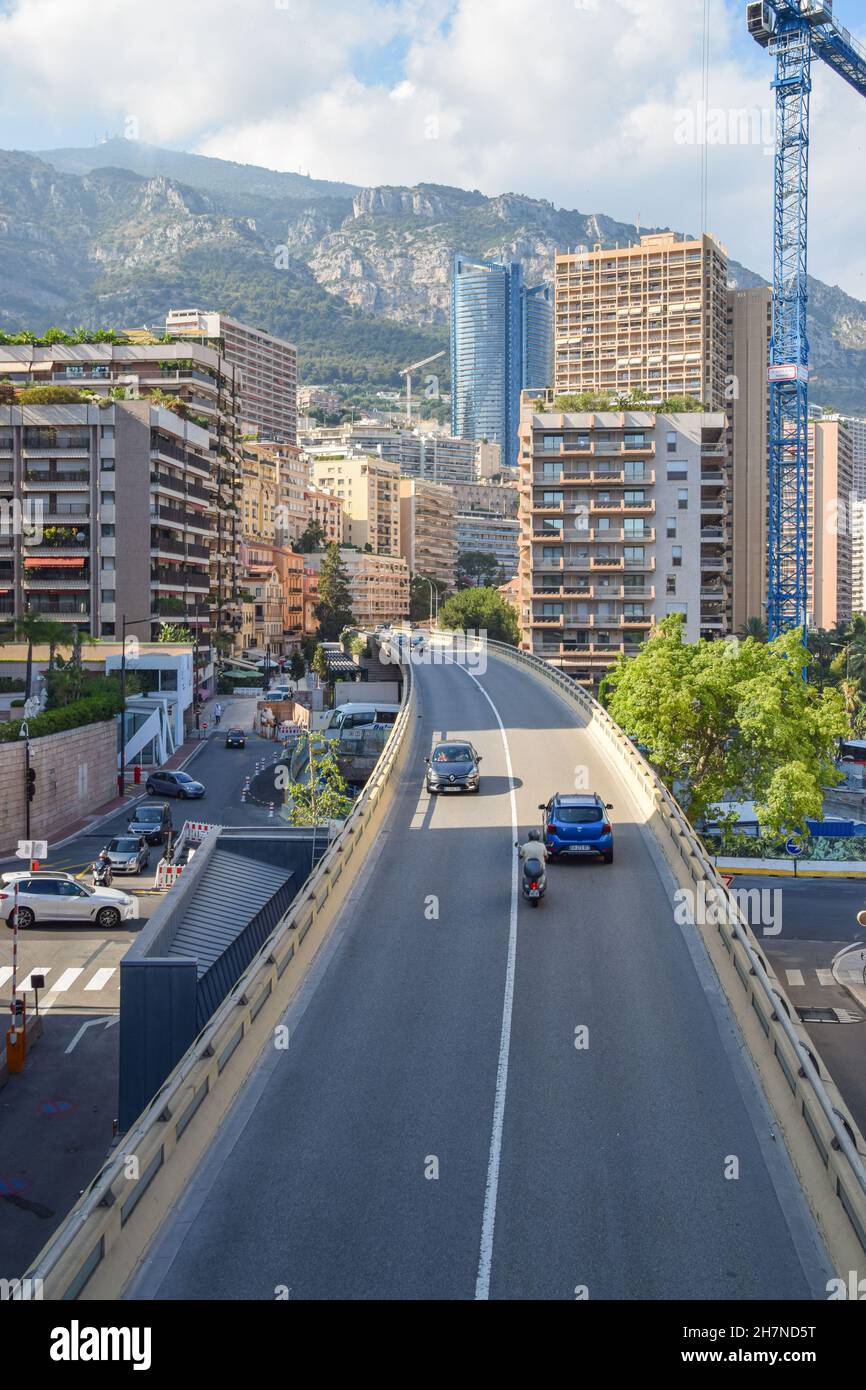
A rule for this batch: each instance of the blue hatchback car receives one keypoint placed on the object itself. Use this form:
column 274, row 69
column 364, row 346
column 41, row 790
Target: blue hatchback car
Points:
column 577, row 823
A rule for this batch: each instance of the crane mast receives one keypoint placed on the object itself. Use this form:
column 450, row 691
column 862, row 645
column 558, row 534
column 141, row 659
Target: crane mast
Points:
column 793, row 30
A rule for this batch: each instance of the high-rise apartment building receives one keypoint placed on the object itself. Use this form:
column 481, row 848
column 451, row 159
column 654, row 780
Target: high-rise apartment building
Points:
column 749, row 328
column 269, row 367
column 498, row 330
column 623, row 521
column 496, row 498
column 292, row 476
column 192, row 487
column 324, row 509
column 858, row 447
column 858, row 556
column 491, row 533
column 428, row 532
column 369, row 490
column 649, row 317
column 829, row 558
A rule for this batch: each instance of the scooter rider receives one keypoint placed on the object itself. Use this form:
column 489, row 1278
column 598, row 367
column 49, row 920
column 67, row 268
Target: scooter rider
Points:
column 102, row 867
column 533, row 847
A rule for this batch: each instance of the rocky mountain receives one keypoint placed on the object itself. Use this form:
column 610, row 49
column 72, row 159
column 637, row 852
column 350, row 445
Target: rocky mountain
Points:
column 359, row 277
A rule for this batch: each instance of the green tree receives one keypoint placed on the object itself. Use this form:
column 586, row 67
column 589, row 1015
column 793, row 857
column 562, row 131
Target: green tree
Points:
column 481, row 610
column 754, row 627
column 334, row 609
column 297, row 666
column 324, row 797
column 319, row 665
column 478, row 567
column 729, row 720
column 419, row 597
column 309, row 540
column 174, row 632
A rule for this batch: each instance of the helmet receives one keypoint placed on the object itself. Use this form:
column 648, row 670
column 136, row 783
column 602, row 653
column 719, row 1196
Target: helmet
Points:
column 534, row 835
column 103, row 854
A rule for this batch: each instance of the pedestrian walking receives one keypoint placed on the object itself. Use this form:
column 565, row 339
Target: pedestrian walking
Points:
column 217, row 713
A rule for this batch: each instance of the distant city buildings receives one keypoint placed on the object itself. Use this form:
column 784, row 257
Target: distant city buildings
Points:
column 501, row 335
column 268, row 367
column 369, row 490
column 378, row 585
column 829, row 570
column 436, row 457
column 492, row 534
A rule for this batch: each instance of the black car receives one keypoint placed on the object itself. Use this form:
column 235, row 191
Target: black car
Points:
column 178, row 784
column 152, row 821
column 453, row 767
column 236, row 738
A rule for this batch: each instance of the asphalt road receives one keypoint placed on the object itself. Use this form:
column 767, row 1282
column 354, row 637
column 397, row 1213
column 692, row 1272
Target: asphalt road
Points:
column 818, row 919
column 441, row 1127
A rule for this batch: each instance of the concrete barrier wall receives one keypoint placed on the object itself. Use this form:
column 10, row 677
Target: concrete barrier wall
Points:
column 96, row 1250
column 76, row 771
column 826, row 1147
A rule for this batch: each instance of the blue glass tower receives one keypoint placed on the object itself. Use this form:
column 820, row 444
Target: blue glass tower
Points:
column 501, row 341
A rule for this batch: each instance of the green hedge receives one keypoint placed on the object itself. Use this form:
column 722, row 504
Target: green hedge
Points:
column 12, row 684
column 91, row 711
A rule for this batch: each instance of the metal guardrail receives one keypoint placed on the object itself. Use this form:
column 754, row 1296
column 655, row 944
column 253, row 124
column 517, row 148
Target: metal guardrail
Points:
column 834, row 1134
column 97, row 1221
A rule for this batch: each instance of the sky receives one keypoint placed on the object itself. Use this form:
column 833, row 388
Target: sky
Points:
column 591, row 104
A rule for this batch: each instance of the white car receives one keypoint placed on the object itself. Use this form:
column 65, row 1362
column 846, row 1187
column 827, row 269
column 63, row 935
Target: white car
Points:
column 61, row 898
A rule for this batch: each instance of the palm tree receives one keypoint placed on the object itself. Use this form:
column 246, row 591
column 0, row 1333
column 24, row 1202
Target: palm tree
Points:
column 857, row 659
column 754, row 627
column 850, row 691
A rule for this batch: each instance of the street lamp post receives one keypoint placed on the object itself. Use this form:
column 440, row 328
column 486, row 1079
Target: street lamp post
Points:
column 432, row 593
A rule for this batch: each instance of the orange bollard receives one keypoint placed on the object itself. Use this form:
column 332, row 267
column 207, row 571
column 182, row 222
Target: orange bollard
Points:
column 16, row 1051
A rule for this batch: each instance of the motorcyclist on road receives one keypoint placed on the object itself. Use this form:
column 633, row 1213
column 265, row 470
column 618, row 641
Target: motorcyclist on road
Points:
column 102, row 865
column 533, row 847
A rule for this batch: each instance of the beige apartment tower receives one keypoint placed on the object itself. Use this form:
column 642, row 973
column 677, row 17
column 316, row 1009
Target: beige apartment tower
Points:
column 649, row 317
column 428, row 529
column 369, row 489
column 830, row 500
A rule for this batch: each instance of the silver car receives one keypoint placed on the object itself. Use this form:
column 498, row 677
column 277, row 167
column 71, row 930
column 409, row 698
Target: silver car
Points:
column 128, row 854
column 57, row 898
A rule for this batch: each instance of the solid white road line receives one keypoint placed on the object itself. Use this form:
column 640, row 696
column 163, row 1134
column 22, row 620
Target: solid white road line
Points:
column 794, row 977
column 101, row 977
column 485, row 1258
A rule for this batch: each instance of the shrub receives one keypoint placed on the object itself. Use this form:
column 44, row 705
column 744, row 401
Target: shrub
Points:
column 95, row 710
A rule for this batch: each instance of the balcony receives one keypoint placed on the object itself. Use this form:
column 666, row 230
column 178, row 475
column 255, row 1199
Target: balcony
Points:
column 77, row 477
column 179, row 578
column 68, row 608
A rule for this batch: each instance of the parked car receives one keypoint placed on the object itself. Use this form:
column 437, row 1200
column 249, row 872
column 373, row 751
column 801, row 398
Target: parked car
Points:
column 178, row 784
column 128, row 854
column 453, row 766
column 578, row 823
column 236, row 738
column 152, row 821
column 58, row 898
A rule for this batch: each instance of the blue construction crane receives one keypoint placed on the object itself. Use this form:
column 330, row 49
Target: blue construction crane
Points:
column 793, row 30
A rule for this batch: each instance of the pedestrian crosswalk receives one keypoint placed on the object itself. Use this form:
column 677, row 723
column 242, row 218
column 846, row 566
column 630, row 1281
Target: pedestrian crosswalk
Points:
column 63, row 982
column 798, row 979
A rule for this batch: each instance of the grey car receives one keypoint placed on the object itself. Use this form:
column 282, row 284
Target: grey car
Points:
column 128, row 854
column 453, row 766
column 178, row 784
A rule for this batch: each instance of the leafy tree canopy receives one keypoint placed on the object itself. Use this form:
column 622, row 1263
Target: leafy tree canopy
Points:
column 731, row 720
column 484, row 610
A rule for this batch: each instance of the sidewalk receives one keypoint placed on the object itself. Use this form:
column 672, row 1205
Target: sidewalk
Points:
column 849, row 970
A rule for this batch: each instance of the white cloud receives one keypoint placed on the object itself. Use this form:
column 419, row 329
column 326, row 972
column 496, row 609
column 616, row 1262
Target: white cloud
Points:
column 578, row 101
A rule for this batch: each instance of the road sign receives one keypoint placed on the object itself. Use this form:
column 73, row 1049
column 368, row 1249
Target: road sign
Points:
column 795, row 846
column 32, row 849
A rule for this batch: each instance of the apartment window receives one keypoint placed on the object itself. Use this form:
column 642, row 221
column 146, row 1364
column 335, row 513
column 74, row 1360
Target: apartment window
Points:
column 677, row 472
column 582, row 441
column 108, row 629
column 633, row 610
column 106, row 595
column 683, row 499
column 671, row 527
column 671, row 584
column 107, row 528
column 672, row 441
column 551, row 553
column 551, row 610
column 634, row 471
column 551, row 499
column 552, row 472
column 108, row 564
column 676, row 555
column 634, row 497
column 633, row 554
column 634, row 439
column 107, row 498
column 633, row 525
column 551, row 443
column 677, row 608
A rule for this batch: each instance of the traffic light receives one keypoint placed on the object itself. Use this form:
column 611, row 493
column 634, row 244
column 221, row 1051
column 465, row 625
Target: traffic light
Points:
column 31, row 783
